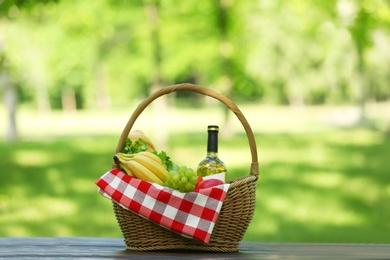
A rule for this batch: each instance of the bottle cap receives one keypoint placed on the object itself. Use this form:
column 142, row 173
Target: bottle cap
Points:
column 213, row 128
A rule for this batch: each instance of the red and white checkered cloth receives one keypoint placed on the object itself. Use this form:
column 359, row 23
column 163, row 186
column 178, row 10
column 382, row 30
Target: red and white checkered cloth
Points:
column 191, row 214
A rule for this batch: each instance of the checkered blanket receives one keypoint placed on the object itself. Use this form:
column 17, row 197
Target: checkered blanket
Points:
column 191, row 214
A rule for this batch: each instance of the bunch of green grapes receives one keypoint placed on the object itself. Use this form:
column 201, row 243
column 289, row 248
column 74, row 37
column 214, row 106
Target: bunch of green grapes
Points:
column 182, row 179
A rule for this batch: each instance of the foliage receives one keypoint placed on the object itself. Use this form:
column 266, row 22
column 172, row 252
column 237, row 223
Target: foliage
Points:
column 289, row 52
column 136, row 147
column 166, row 160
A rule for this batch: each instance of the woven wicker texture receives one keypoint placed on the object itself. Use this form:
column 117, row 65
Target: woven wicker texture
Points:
column 236, row 213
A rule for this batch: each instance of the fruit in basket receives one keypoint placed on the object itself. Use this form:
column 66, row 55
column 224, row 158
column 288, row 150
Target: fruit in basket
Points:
column 122, row 159
column 143, row 165
column 137, row 142
column 207, row 183
column 200, row 179
column 183, row 179
column 153, row 163
column 143, row 173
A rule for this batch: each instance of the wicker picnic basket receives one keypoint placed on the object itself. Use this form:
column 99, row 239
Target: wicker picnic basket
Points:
column 236, row 213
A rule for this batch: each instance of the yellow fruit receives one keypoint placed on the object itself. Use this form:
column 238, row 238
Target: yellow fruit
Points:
column 156, row 168
column 143, row 173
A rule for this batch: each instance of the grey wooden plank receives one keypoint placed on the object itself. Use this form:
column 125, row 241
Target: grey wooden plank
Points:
column 93, row 248
column 114, row 248
column 318, row 251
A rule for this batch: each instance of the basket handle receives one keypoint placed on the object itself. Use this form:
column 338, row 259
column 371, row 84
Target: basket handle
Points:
column 254, row 170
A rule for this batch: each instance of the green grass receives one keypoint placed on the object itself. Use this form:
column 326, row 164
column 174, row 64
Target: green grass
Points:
column 47, row 188
column 331, row 187
column 317, row 184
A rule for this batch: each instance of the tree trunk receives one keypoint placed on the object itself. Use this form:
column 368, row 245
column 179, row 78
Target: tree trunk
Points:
column 42, row 97
column 103, row 100
column 388, row 118
column 10, row 101
column 159, row 106
column 68, row 99
column 362, row 93
column 225, row 49
column 152, row 9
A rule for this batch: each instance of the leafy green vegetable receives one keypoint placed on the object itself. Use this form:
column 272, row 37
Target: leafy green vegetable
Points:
column 165, row 159
column 136, row 147
column 141, row 146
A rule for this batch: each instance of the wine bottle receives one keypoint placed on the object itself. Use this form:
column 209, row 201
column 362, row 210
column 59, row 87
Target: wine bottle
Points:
column 211, row 164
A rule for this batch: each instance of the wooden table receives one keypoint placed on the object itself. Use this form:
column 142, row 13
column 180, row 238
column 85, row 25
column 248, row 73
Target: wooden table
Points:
column 114, row 248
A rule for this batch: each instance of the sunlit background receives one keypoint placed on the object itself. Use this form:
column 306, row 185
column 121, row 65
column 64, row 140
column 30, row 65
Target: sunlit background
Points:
column 311, row 77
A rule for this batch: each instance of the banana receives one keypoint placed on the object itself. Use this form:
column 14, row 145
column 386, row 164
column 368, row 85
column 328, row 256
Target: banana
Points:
column 151, row 156
column 143, row 173
column 156, row 168
column 148, row 166
column 123, row 164
column 126, row 169
column 125, row 156
column 122, row 159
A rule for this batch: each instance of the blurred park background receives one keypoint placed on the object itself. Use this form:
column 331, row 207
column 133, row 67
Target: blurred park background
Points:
column 311, row 77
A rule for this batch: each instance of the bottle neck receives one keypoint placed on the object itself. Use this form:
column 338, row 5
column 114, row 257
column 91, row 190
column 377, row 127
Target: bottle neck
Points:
column 212, row 154
column 212, row 144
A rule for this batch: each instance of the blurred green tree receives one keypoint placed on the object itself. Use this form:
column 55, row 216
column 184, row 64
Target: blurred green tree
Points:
column 9, row 10
column 62, row 55
column 363, row 19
